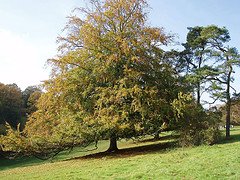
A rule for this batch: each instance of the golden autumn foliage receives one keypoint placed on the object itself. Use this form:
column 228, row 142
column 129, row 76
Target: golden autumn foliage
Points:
column 108, row 80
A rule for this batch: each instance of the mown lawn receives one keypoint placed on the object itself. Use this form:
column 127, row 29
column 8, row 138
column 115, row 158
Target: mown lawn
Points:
column 146, row 160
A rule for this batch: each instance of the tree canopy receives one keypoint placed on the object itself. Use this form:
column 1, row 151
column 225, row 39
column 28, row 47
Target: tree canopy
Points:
column 110, row 72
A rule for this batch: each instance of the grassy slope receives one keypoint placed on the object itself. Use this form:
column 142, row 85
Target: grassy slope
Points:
column 220, row 161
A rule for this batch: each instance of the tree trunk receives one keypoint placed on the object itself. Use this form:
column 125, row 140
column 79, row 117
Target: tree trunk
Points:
column 156, row 136
column 113, row 143
column 228, row 104
column 198, row 93
column 199, row 81
column 228, row 109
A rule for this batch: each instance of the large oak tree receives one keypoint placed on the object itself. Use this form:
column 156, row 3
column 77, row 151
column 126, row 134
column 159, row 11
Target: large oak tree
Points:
column 110, row 69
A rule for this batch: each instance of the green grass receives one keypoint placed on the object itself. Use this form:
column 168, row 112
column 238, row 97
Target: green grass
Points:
column 146, row 160
column 79, row 152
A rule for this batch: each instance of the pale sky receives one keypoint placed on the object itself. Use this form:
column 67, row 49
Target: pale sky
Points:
column 28, row 32
column 29, row 28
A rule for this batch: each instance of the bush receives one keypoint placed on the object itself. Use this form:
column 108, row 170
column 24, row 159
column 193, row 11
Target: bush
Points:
column 195, row 125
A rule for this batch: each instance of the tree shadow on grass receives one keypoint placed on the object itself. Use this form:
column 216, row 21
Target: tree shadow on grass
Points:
column 132, row 151
column 233, row 138
column 163, row 138
column 19, row 162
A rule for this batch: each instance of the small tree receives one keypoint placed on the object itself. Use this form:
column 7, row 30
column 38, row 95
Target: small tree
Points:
column 195, row 125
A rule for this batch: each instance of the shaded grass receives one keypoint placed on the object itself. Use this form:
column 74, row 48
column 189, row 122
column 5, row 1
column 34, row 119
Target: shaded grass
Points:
column 126, row 147
column 133, row 151
column 221, row 161
column 235, row 136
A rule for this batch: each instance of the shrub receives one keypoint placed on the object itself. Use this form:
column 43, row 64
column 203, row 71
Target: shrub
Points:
column 195, row 125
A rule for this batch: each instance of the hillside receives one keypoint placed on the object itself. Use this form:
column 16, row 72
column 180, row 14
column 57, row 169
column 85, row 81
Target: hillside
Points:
column 146, row 160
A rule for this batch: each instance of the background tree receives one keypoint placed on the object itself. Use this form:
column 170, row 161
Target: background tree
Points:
column 195, row 58
column 10, row 104
column 228, row 58
column 30, row 95
column 199, row 61
column 235, row 109
column 210, row 60
column 32, row 102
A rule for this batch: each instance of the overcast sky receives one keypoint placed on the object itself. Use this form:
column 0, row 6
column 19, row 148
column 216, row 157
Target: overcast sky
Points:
column 28, row 30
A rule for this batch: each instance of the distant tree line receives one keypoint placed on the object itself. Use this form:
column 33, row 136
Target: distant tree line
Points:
column 16, row 105
column 234, row 113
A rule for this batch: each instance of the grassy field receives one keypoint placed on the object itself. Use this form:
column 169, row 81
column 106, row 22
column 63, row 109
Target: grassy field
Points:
column 145, row 160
